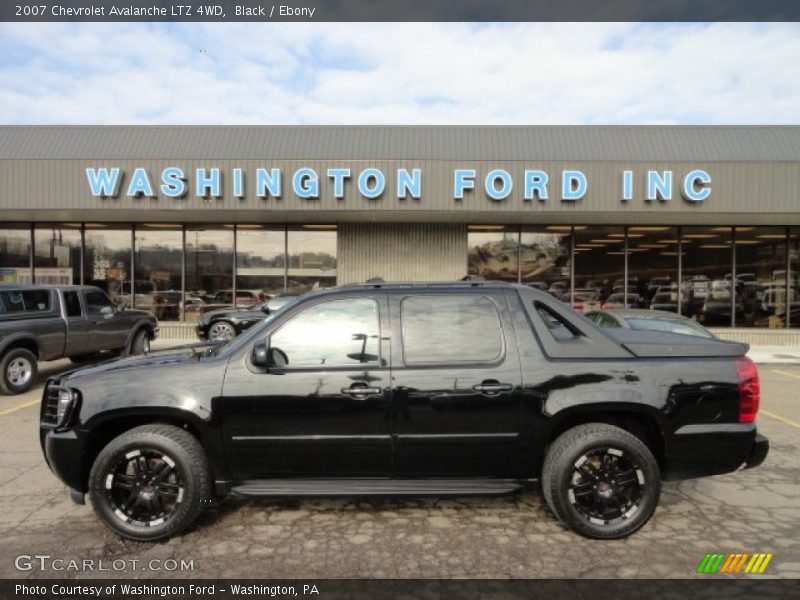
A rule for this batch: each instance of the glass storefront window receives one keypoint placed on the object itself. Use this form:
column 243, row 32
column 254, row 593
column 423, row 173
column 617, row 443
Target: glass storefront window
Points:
column 57, row 253
column 107, row 260
column 545, row 258
column 311, row 258
column 209, row 266
column 653, row 268
column 600, row 270
column 793, row 318
column 493, row 252
column 260, row 260
column 157, row 283
column 706, row 281
column 761, row 275
column 15, row 257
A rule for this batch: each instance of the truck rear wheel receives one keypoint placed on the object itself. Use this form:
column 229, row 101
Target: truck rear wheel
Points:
column 151, row 482
column 601, row 481
column 18, row 369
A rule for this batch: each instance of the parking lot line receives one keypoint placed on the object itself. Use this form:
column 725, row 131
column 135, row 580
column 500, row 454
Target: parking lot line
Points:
column 786, row 373
column 8, row 411
column 780, row 418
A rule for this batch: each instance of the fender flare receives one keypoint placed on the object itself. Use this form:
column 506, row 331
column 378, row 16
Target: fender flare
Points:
column 14, row 339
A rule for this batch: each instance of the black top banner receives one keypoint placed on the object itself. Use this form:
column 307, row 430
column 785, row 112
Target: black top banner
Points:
column 397, row 11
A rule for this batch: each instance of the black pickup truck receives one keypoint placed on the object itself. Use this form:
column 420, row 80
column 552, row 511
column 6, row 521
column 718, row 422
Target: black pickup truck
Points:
column 49, row 322
column 406, row 389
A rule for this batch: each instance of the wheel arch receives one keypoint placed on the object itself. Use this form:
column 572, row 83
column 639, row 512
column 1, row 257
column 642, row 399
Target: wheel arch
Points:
column 20, row 341
column 642, row 422
column 108, row 427
column 145, row 325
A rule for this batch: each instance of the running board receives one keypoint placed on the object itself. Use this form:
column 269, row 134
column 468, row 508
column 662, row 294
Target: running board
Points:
column 271, row 488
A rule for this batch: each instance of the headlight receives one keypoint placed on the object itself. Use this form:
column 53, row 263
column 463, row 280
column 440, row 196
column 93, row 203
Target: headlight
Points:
column 66, row 401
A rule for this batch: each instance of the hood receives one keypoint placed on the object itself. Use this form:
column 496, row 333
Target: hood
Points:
column 120, row 365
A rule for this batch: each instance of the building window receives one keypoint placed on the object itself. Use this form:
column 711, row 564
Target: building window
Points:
column 107, row 260
column 311, row 258
column 493, row 252
column 545, row 258
column 158, row 261
column 600, row 270
column 707, row 268
column 761, row 275
column 793, row 316
column 57, row 253
column 261, row 259
column 15, row 254
column 653, row 268
column 209, row 266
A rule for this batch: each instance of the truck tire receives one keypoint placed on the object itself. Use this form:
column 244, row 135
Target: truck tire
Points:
column 18, row 368
column 150, row 482
column 221, row 331
column 140, row 344
column 601, row 481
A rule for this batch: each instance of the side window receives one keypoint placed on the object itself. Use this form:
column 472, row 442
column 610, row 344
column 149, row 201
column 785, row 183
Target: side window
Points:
column 25, row 301
column 97, row 303
column 451, row 329
column 556, row 325
column 333, row 333
column 72, row 303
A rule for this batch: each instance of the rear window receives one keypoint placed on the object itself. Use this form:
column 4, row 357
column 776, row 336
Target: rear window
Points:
column 452, row 329
column 25, row 301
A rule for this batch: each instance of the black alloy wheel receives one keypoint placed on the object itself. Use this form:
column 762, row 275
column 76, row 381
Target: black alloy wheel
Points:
column 601, row 480
column 150, row 482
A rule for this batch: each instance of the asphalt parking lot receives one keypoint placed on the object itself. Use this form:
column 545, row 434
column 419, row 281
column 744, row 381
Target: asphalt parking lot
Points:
column 750, row 511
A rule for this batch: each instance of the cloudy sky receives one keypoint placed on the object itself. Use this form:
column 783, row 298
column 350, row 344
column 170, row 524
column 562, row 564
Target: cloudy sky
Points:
column 399, row 73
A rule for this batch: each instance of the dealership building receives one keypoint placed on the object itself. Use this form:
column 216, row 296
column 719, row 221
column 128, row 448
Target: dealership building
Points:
column 704, row 221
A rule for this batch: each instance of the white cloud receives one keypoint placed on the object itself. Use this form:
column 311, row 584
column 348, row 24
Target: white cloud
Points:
column 399, row 73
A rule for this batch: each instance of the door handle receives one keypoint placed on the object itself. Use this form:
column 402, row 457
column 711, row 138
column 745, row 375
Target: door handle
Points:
column 493, row 388
column 361, row 391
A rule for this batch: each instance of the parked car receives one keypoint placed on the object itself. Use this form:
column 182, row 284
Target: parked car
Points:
column 40, row 323
column 666, row 299
column 406, row 389
column 225, row 324
column 716, row 309
column 648, row 320
column 617, row 300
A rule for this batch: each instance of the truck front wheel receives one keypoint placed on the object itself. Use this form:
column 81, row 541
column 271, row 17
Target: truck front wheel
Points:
column 601, row 481
column 150, row 482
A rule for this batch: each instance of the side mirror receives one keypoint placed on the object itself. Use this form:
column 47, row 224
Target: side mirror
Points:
column 265, row 309
column 259, row 356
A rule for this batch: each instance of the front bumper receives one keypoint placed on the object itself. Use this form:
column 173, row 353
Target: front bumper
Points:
column 64, row 453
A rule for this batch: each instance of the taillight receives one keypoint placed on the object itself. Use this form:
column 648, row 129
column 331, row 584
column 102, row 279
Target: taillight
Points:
column 749, row 389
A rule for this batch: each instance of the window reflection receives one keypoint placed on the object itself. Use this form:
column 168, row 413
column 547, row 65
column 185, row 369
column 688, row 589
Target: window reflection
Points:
column 157, row 281
column 493, row 252
column 653, row 268
column 761, row 275
column 15, row 247
column 470, row 324
column 600, row 270
column 793, row 317
column 209, row 267
column 339, row 332
column 260, row 260
column 311, row 257
column 57, row 253
column 545, row 257
column 107, row 260
column 707, row 267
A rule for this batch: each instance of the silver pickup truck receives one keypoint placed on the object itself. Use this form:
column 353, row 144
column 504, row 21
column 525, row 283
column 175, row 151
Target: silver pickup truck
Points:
column 79, row 322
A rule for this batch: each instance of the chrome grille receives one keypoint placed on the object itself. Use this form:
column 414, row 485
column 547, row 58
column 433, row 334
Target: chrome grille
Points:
column 50, row 405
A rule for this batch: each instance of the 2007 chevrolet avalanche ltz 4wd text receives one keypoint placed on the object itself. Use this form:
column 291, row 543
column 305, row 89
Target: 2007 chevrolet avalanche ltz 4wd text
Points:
column 406, row 389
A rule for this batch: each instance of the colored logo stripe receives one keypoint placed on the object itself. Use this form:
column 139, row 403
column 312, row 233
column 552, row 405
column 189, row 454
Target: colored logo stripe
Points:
column 721, row 562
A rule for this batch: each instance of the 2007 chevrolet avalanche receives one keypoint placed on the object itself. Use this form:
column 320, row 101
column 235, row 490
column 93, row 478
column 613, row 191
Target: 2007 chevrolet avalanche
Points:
column 407, row 389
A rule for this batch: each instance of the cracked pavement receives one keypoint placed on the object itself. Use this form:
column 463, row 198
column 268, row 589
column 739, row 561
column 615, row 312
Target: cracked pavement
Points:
column 516, row 536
